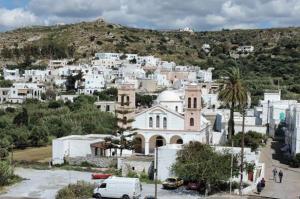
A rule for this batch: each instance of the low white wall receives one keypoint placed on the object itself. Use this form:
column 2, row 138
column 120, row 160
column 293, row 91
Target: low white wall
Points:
column 259, row 129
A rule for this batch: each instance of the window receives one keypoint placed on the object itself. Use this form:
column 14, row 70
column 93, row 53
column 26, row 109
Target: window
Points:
column 157, row 121
column 107, row 108
column 192, row 122
column 195, row 102
column 125, row 120
column 150, row 122
column 165, row 123
column 128, row 100
column 176, row 108
column 96, row 151
column 122, row 100
column 189, row 102
column 102, row 186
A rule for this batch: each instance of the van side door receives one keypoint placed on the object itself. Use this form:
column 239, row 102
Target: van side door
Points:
column 102, row 189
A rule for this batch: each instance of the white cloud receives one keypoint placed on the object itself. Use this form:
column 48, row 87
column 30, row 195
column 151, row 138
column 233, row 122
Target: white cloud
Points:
column 16, row 18
column 215, row 19
column 200, row 15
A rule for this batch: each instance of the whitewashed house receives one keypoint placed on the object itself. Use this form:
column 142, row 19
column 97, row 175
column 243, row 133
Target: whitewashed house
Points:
column 19, row 92
column 205, row 75
column 37, row 75
column 292, row 133
column 82, row 147
column 93, row 81
column 11, row 74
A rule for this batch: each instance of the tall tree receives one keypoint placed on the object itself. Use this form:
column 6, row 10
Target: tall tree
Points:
column 124, row 130
column 233, row 94
column 200, row 162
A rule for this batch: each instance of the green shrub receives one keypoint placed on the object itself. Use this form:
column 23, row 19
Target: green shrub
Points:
column 295, row 162
column 55, row 104
column 252, row 139
column 6, row 173
column 87, row 164
column 79, row 190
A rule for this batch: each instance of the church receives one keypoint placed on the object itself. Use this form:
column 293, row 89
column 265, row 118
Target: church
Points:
column 175, row 118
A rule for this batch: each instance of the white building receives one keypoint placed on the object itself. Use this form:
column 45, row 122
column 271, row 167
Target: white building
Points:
column 206, row 48
column 4, row 95
column 19, row 92
column 245, row 49
column 37, row 75
column 78, row 146
column 292, row 133
column 93, row 81
column 205, row 75
column 58, row 63
column 11, row 74
column 186, row 29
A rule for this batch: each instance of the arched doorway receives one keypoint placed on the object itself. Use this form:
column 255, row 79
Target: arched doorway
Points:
column 176, row 140
column 139, row 144
column 156, row 141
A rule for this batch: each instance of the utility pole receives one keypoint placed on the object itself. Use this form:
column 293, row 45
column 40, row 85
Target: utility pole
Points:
column 242, row 151
column 268, row 125
column 231, row 167
column 156, row 160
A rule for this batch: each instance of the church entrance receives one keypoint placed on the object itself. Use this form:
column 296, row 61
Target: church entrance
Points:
column 139, row 144
column 156, row 141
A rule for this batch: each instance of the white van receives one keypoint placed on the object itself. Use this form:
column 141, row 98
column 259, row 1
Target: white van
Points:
column 117, row 187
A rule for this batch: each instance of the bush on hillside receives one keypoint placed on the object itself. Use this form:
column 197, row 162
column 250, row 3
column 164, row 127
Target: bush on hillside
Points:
column 79, row 190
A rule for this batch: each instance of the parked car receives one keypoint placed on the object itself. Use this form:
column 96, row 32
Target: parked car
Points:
column 172, row 183
column 149, row 197
column 96, row 176
column 194, row 185
column 117, row 187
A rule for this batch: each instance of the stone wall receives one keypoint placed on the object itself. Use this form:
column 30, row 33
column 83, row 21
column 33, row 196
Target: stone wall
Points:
column 102, row 162
column 135, row 164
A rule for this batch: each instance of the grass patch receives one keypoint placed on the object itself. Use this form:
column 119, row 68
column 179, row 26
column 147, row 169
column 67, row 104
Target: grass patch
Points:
column 38, row 154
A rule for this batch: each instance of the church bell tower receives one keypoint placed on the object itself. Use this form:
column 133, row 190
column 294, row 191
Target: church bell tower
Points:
column 192, row 113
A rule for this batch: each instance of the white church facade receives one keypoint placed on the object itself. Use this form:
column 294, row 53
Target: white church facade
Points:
column 175, row 119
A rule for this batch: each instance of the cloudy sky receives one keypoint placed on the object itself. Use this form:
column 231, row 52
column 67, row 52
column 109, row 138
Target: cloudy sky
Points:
column 154, row 14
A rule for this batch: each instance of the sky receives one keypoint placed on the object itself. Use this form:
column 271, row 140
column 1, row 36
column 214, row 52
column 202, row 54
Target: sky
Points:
column 154, row 14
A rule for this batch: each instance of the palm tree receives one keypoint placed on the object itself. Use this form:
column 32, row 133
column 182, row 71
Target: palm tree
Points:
column 233, row 94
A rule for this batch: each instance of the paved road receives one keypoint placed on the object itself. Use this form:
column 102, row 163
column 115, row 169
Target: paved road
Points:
column 45, row 184
column 290, row 187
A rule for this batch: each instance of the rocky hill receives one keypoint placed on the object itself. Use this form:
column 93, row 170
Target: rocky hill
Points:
column 275, row 60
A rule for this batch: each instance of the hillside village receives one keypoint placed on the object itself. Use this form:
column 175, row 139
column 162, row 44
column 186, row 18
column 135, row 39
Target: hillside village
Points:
column 184, row 107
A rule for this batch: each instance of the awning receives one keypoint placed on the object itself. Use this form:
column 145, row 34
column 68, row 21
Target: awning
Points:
column 100, row 145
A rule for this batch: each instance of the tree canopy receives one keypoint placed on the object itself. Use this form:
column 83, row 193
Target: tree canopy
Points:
column 200, row 162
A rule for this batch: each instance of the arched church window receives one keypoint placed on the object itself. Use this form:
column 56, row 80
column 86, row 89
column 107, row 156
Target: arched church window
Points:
column 176, row 108
column 150, row 122
column 157, row 121
column 122, row 100
column 192, row 122
column 128, row 100
column 189, row 102
column 195, row 102
column 165, row 123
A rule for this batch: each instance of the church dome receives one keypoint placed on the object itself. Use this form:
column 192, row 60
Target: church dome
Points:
column 168, row 96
